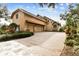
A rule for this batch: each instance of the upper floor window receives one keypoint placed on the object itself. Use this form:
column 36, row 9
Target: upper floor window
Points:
column 16, row 16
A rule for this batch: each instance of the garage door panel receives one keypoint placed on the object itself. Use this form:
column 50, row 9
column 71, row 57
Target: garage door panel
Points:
column 34, row 27
column 38, row 28
column 30, row 27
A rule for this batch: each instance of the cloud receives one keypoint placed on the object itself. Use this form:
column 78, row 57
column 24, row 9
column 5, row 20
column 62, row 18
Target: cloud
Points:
column 27, row 7
column 47, row 10
column 67, row 4
column 61, row 4
column 57, row 18
column 62, row 8
column 33, row 7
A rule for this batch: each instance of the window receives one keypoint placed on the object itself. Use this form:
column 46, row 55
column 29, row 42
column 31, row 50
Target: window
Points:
column 16, row 16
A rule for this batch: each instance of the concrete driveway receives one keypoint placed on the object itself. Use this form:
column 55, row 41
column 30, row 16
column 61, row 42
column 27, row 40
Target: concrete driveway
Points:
column 41, row 44
column 45, row 43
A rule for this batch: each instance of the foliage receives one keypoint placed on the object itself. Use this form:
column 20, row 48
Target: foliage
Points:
column 1, row 14
column 72, row 18
column 70, row 42
column 2, row 31
column 3, row 11
column 16, row 35
column 3, row 27
column 47, row 4
column 12, row 27
column 61, row 29
column 8, row 29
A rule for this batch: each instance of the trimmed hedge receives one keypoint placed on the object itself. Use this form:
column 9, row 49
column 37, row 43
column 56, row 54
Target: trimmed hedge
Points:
column 16, row 35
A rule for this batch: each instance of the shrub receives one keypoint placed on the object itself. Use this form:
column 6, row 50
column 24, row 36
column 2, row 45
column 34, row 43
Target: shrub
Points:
column 77, row 44
column 74, row 31
column 76, row 48
column 69, row 37
column 70, row 42
column 12, row 27
column 3, row 27
column 76, row 35
column 22, row 34
column 61, row 29
column 68, row 30
column 2, row 31
column 15, row 36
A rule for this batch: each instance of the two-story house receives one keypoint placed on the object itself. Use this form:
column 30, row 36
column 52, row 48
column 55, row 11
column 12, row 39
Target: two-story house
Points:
column 30, row 22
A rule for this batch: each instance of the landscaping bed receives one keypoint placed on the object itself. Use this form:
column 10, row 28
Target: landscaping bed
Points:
column 16, row 35
column 71, row 46
column 67, row 51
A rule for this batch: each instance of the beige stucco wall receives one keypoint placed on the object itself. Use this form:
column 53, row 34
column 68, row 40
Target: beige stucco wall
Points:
column 20, row 21
column 33, row 19
column 49, row 26
column 37, row 26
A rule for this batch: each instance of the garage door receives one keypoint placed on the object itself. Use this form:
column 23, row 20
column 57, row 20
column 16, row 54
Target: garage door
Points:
column 30, row 27
column 34, row 27
column 38, row 28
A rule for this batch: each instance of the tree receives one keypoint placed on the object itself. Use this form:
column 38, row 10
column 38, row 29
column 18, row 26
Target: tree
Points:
column 3, row 11
column 13, row 25
column 12, row 28
column 48, row 4
column 1, row 14
column 3, row 27
column 72, row 18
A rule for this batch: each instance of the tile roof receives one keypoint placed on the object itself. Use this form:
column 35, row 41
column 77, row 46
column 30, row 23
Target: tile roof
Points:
column 26, row 12
column 45, row 18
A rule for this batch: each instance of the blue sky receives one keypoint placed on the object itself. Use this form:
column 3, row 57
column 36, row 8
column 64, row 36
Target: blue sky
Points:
column 53, row 13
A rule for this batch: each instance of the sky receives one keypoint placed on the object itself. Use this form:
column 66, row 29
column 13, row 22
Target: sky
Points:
column 53, row 13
